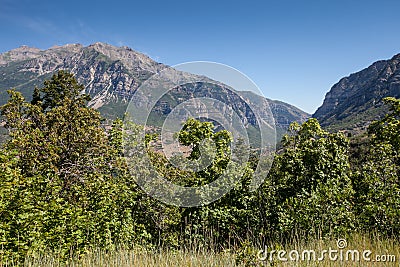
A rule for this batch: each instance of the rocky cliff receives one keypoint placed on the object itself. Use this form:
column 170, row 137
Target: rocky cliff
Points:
column 356, row 100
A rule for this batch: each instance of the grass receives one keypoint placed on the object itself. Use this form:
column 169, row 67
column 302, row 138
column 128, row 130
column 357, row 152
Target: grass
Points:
column 137, row 258
column 379, row 247
column 246, row 256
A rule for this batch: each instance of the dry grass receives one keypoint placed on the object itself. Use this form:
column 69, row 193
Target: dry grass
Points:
column 144, row 258
column 137, row 258
column 379, row 247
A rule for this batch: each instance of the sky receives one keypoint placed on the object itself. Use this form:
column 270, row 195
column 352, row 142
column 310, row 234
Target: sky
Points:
column 295, row 51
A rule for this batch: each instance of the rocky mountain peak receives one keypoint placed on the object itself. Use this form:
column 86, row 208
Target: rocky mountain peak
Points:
column 129, row 57
column 21, row 53
column 396, row 57
column 111, row 75
column 68, row 47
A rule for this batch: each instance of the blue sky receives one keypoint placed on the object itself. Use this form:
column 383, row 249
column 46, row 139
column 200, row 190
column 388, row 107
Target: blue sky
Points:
column 293, row 50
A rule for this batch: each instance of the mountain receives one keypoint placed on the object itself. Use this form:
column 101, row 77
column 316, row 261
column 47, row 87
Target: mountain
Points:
column 356, row 100
column 284, row 113
column 112, row 74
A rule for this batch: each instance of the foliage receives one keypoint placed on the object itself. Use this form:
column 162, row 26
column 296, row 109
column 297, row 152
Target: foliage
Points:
column 377, row 178
column 311, row 178
column 65, row 185
column 216, row 148
column 71, row 189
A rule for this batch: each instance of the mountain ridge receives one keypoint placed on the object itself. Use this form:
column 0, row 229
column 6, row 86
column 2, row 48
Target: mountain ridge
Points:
column 356, row 100
column 110, row 75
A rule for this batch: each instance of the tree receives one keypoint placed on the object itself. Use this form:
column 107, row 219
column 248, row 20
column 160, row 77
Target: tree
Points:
column 311, row 177
column 229, row 220
column 376, row 180
column 67, row 187
column 62, row 86
column 56, row 131
column 212, row 148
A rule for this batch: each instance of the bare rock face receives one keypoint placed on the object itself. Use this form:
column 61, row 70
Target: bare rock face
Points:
column 111, row 75
column 356, row 100
column 131, row 59
column 21, row 53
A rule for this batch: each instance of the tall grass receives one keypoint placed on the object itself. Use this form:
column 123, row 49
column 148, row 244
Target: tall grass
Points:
column 138, row 257
column 378, row 246
column 245, row 256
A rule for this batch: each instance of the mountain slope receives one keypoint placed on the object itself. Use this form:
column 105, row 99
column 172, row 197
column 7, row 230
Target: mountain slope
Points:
column 108, row 73
column 284, row 113
column 111, row 75
column 356, row 100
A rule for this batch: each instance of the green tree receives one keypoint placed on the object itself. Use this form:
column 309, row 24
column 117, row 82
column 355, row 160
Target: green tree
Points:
column 62, row 86
column 376, row 180
column 311, row 179
column 212, row 148
column 387, row 130
column 57, row 133
column 70, row 187
column 232, row 218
